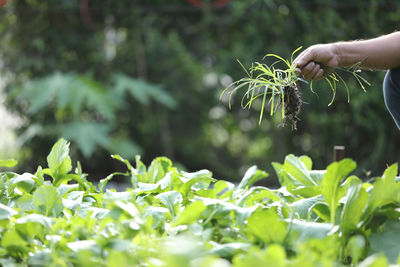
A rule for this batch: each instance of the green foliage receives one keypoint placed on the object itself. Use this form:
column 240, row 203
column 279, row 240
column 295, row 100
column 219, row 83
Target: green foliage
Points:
column 176, row 48
column 169, row 217
column 72, row 95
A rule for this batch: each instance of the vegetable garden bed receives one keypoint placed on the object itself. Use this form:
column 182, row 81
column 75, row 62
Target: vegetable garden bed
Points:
column 170, row 217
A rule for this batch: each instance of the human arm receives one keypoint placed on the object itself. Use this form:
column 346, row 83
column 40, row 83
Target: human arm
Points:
column 379, row 53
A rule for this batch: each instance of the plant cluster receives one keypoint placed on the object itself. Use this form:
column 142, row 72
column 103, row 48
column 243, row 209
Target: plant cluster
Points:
column 169, row 217
column 278, row 85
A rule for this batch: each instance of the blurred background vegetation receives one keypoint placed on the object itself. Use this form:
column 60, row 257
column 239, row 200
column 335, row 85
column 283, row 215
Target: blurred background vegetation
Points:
column 144, row 77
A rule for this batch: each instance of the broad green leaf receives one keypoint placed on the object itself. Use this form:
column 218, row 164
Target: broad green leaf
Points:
column 158, row 168
column 386, row 241
column 6, row 212
column 129, row 208
column 331, row 190
column 35, row 218
column 385, row 190
column 47, row 200
column 308, row 230
column 305, row 191
column 251, row 176
column 25, row 202
column 171, row 200
column 255, row 195
column 9, row 163
column 62, row 189
column 33, row 225
column 306, row 161
column 191, row 213
column 302, row 208
column 317, row 175
column 267, row 226
column 356, row 247
column 294, row 172
column 90, row 245
column 118, row 259
column 230, row 249
column 272, row 256
column 114, row 196
column 13, row 243
column 356, row 201
column 201, row 182
column 220, row 189
column 73, row 199
column 156, row 214
column 58, row 160
column 24, row 182
column 40, row 258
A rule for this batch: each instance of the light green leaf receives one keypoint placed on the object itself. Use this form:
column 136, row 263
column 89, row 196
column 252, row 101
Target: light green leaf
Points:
column 58, row 160
column 255, row 195
column 13, row 242
column 157, row 169
column 24, row 182
column 230, row 249
column 9, row 163
column 47, row 200
column 272, row 256
column 6, row 212
column 266, row 225
column 191, row 213
column 251, row 176
column 302, row 208
column 89, row 245
column 294, row 172
column 306, row 161
column 331, row 190
column 33, row 225
column 384, row 190
column 356, row 201
column 171, row 200
column 309, row 230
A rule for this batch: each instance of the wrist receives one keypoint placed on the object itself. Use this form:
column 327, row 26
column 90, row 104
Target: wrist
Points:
column 337, row 54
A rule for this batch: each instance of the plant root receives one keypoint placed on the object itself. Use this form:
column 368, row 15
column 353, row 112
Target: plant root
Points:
column 292, row 105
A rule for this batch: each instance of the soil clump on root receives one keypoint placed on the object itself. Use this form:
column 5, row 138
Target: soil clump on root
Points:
column 292, row 105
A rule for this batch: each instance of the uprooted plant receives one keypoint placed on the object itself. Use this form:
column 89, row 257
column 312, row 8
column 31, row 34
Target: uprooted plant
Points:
column 279, row 86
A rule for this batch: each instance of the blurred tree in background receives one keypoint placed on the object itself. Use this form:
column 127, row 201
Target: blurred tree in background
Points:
column 144, row 77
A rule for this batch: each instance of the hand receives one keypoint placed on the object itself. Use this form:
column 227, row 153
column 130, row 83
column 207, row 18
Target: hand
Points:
column 317, row 61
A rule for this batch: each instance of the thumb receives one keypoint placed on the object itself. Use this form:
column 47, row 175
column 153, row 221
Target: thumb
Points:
column 304, row 58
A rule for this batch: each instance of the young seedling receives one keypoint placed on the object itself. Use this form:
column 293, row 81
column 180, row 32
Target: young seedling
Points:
column 279, row 87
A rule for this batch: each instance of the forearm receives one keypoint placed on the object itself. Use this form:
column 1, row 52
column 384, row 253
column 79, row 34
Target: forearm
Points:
column 378, row 53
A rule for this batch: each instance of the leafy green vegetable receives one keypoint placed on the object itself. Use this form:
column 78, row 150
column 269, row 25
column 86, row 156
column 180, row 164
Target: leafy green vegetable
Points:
column 330, row 186
column 170, row 217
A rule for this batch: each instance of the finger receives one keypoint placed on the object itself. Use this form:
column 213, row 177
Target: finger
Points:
column 313, row 72
column 307, row 70
column 319, row 75
column 305, row 57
